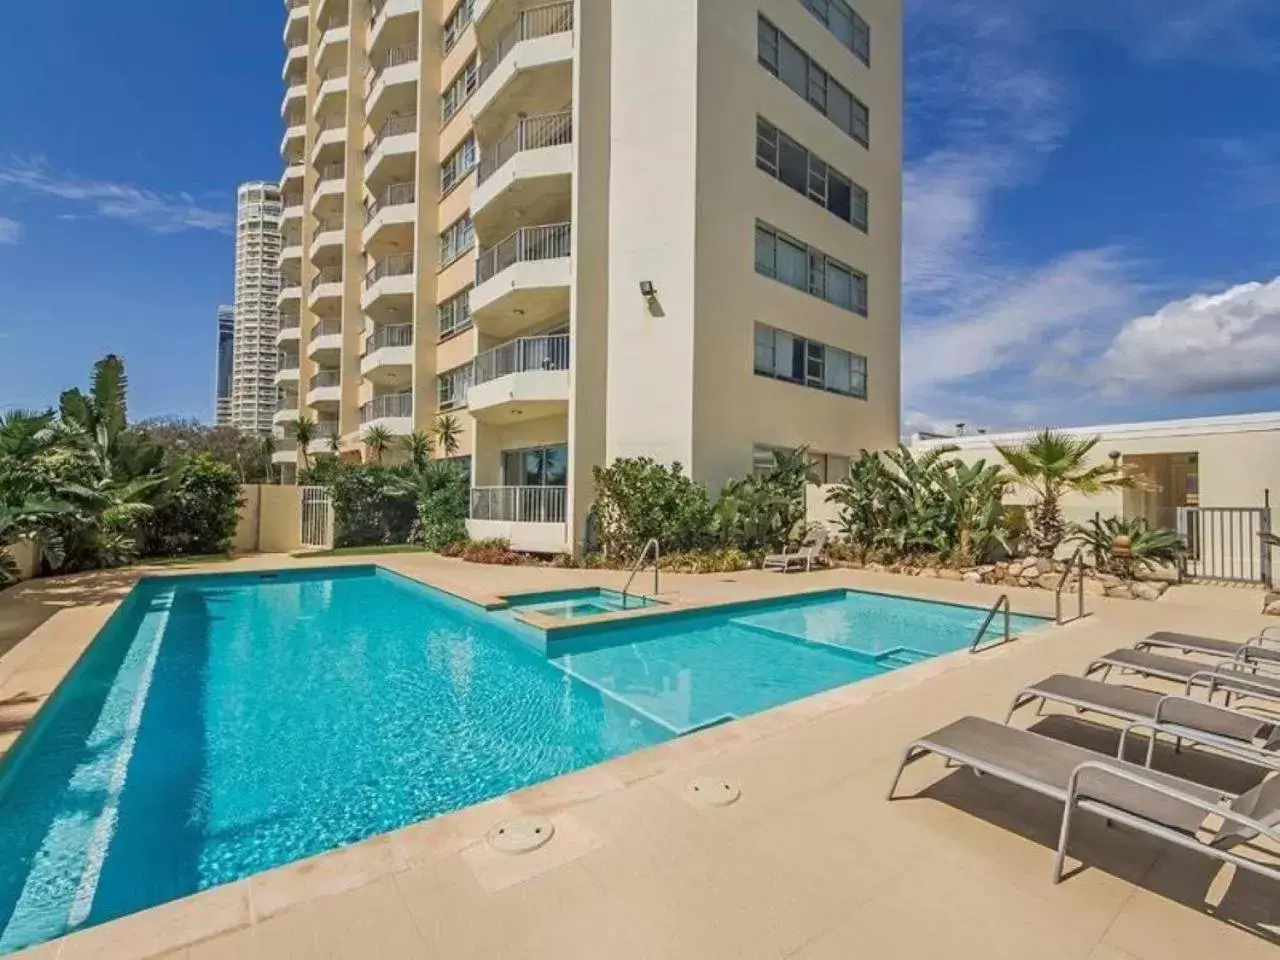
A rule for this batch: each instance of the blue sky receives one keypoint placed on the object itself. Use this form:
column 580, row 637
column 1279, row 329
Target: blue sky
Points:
column 1092, row 201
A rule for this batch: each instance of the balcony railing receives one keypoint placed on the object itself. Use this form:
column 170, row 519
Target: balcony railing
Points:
column 518, row 504
column 531, row 133
column 529, row 24
column 285, row 364
column 295, row 4
column 395, row 125
column 326, row 275
column 391, row 405
column 326, row 378
column 393, row 57
column 292, row 200
column 324, row 430
column 530, row 243
column 523, row 355
column 395, row 195
column 326, row 225
column 327, row 328
column 332, row 171
column 392, row 335
column 396, row 265
column 290, row 322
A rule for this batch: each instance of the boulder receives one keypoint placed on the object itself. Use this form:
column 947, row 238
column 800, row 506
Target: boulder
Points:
column 1271, row 604
column 973, row 576
column 1148, row 591
column 1120, row 591
column 1048, row 581
column 1043, row 565
column 1094, row 587
column 950, row 575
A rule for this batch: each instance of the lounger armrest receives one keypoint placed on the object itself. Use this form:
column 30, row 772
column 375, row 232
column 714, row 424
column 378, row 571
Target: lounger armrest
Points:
column 1263, row 635
column 1227, row 677
column 1245, row 656
column 1164, row 790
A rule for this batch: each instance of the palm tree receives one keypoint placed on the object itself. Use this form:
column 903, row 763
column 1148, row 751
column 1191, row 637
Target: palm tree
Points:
column 1050, row 465
column 378, row 440
column 94, row 427
column 976, row 494
column 418, row 446
column 447, row 431
column 304, row 431
column 335, row 444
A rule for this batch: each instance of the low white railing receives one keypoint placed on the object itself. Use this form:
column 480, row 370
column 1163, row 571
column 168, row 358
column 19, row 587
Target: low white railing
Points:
column 390, row 405
column 394, row 195
column 519, row 504
column 395, row 265
column 327, row 328
column 394, row 57
column 324, row 430
column 523, row 355
column 391, row 335
column 395, row 125
column 531, row 133
column 326, row 378
column 326, row 225
column 331, row 171
column 548, row 242
column 530, row 24
column 326, row 275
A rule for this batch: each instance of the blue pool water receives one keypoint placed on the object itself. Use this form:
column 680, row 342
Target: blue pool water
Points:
column 223, row 725
column 576, row 604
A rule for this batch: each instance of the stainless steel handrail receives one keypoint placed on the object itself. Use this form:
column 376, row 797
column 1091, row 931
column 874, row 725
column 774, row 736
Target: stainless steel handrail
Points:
column 976, row 646
column 639, row 565
column 1076, row 561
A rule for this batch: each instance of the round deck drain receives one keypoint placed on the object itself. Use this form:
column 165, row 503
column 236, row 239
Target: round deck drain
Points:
column 521, row 835
column 712, row 792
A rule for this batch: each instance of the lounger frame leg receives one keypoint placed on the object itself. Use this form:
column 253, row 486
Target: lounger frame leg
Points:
column 909, row 756
column 1064, row 834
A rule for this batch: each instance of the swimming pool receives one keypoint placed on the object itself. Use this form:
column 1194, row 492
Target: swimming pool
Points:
column 222, row 725
column 576, row 604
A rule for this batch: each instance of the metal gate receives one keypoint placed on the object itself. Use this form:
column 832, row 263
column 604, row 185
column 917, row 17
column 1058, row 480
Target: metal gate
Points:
column 317, row 518
column 1227, row 543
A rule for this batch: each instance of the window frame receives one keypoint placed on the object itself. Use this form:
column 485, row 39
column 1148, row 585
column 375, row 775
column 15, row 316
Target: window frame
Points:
column 859, row 28
column 460, row 89
column 818, row 82
column 459, row 381
column 449, row 239
column 450, row 305
column 812, row 352
column 817, row 263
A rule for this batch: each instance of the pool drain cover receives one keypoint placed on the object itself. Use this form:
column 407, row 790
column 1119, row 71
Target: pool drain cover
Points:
column 521, row 835
column 712, row 792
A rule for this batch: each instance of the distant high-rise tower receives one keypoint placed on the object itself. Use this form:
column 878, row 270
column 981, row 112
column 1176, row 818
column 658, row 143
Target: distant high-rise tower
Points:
column 253, row 389
column 226, row 360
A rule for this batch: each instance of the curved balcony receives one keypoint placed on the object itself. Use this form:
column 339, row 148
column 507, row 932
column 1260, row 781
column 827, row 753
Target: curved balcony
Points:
column 395, row 206
column 334, row 36
column 287, row 372
column 325, row 432
column 389, row 17
column 392, row 83
column 327, row 238
column 295, row 58
column 297, row 13
column 294, row 140
column 324, row 389
column 291, row 254
column 326, row 342
column 389, row 285
column 523, row 379
column 326, row 286
column 333, row 87
column 528, row 69
column 523, row 281
column 331, row 139
column 388, row 355
column 290, row 294
column 295, row 95
column 392, row 152
column 291, row 210
column 526, row 175
column 291, row 179
column 392, row 411
column 289, row 331
column 331, row 184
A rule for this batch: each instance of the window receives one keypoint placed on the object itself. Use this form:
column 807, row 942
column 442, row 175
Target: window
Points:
column 456, row 240
column 784, row 159
column 452, row 386
column 457, row 22
column 785, row 60
column 805, row 268
column 827, row 467
column 845, row 24
column 536, row 467
column 458, row 164
column 781, row 356
column 463, row 85
column 455, row 314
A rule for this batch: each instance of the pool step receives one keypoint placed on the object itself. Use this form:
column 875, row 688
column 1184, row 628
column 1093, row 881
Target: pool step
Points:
column 903, row 657
column 847, row 653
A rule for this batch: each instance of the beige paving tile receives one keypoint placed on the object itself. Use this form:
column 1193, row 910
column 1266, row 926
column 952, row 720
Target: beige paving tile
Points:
column 568, row 790
column 167, row 927
column 322, row 876
column 1152, row 927
column 496, row 871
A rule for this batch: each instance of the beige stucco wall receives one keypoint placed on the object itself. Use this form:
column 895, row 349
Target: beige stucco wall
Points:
column 27, row 557
column 270, row 519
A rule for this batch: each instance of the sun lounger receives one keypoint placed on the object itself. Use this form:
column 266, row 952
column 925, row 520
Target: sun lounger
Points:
column 813, row 552
column 1154, row 803
column 1254, row 649
column 1250, row 738
column 1228, row 675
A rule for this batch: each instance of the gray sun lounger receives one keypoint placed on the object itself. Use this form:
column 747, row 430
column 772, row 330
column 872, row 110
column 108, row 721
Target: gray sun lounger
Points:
column 1254, row 649
column 1176, row 715
column 1228, row 676
column 1154, row 803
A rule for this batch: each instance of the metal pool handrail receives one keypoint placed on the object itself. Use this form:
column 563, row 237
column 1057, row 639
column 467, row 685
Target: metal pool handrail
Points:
column 639, row 565
column 1076, row 561
column 976, row 646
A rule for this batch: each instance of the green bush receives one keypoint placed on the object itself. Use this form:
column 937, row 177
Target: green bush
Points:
column 496, row 552
column 638, row 499
column 366, row 511
column 196, row 514
column 440, row 492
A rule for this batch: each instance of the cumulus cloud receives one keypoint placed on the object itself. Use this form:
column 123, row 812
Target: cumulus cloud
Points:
column 1207, row 343
column 157, row 212
column 10, row 232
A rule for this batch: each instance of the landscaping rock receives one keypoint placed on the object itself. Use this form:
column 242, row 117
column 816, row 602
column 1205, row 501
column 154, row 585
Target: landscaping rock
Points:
column 1043, row 565
column 1271, row 604
column 973, row 576
column 1094, row 587
column 950, row 575
column 1048, row 581
column 1120, row 591
column 1149, row 591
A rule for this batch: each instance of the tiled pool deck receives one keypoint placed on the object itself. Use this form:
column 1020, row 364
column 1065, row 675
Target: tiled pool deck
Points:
column 811, row 862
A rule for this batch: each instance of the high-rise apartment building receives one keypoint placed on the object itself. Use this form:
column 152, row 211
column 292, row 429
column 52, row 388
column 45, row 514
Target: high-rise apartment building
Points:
column 253, row 389
column 592, row 229
column 225, row 363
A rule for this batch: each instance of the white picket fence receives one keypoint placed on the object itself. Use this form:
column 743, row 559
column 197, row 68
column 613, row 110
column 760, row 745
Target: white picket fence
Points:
column 317, row 518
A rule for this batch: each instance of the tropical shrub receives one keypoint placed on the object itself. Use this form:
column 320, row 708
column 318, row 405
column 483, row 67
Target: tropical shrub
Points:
column 639, row 499
column 1125, row 548
column 441, row 493
column 767, row 510
column 366, row 508
column 494, row 552
column 197, row 513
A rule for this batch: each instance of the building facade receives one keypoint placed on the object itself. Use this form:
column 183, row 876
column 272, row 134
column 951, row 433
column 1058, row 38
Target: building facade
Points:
column 253, row 386
column 225, row 364
column 592, row 229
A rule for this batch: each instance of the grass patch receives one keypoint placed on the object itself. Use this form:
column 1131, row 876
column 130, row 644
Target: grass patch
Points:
column 184, row 561
column 363, row 551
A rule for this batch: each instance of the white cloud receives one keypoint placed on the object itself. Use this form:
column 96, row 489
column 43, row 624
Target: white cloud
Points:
column 1204, row 344
column 157, row 212
column 10, row 232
